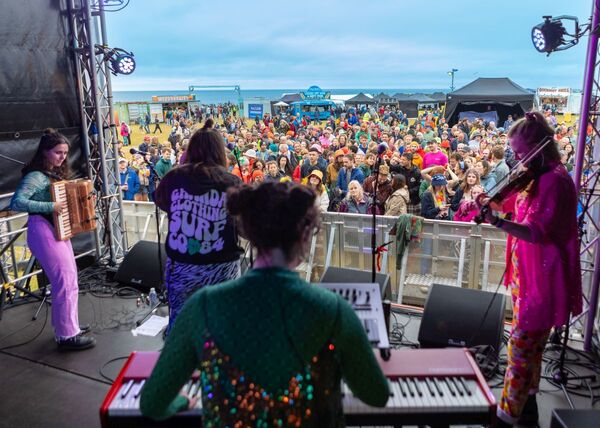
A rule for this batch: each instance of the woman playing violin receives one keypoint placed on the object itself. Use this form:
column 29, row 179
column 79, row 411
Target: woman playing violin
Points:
column 543, row 270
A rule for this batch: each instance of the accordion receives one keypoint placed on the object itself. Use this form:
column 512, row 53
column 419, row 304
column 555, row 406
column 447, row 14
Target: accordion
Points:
column 80, row 215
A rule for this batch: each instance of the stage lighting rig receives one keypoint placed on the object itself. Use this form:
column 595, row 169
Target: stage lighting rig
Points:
column 119, row 60
column 551, row 35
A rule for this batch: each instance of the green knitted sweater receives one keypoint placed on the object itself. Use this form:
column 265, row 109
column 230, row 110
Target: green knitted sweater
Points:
column 265, row 322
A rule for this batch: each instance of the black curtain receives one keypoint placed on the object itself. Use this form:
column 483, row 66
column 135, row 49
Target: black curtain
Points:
column 37, row 84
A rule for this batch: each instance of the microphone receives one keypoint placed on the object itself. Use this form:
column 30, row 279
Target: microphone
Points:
column 381, row 149
column 138, row 152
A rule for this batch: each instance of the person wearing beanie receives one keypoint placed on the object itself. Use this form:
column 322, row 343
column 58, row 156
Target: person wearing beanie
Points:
column 257, row 176
column 333, row 168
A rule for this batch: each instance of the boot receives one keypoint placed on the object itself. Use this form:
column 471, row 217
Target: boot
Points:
column 529, row 415
column 76, row 343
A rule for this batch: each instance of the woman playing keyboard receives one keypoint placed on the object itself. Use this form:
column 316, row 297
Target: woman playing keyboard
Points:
column 271, row 348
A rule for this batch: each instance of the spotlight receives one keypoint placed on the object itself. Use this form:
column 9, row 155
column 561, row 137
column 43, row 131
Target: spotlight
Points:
column 119, row 60
column 551, row 35
column 123, row 63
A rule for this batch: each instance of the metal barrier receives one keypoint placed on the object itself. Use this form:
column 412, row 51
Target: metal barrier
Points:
column 451, row 253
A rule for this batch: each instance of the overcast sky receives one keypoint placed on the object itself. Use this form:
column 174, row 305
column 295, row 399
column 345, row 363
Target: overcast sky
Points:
column 340, row 43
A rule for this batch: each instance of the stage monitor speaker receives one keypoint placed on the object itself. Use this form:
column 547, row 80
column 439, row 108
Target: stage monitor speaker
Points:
column 353, row 276
column 568, row 418
column 140, row 268
column 453, row 316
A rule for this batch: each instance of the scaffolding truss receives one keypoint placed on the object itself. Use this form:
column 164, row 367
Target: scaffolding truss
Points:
column 87, row 29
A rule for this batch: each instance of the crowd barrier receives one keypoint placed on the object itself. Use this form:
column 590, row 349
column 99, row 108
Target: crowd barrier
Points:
column 450, row 253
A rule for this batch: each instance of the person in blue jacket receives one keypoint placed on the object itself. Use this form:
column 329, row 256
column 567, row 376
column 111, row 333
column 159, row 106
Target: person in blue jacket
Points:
column 348, row 173
column 129, row 180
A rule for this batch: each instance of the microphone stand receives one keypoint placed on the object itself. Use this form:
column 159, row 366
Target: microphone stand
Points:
column 160, row 292
column 384, row 353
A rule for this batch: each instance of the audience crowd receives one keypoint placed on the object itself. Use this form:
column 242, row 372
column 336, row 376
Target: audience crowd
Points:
column 427, row 167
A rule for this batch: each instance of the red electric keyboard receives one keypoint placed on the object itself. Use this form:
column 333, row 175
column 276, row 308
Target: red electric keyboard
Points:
column 428, row 387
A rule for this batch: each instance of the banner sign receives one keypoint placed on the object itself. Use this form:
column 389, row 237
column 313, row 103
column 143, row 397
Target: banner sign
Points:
column 554, row 92
column 255, row 110
column 173, row 98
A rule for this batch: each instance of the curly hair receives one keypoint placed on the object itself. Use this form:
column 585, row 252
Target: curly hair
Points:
column 274, row 215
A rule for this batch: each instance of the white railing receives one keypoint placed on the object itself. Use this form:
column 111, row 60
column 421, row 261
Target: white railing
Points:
column 451, row 253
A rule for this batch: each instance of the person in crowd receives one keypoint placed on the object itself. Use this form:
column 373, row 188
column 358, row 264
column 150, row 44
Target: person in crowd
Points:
column 49, row 164
column 285, row 167
column 399, row 200
column 156, row 125
column 129, row 180
column 143, row 172
column 488, row 180
column 434, row 156
column 231, row 328
column 202, row 243
column 314, row 161
column 125, row 132
column 434, row 204
column 245, row 173
column 468, row 208
column 500, row 168
column 257, row 176
column 543, row 266
column 349, row 173
column 273, row 172
column 464, row 190
column 164, row 164
column 333, row 169
column 356, row 201
column 315, row 182
column 413, row 180
column 384, row 186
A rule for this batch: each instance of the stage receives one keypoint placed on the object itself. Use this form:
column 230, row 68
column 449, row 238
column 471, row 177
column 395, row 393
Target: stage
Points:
column 44, row 387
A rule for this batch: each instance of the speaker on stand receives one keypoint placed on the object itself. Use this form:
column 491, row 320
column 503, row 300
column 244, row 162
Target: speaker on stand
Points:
column 140, row 268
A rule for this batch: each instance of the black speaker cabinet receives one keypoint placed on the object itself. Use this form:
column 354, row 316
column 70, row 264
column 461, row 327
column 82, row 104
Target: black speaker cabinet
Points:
column 567, row 418
column 140, row 267
column 354, row 276
column 456, row 316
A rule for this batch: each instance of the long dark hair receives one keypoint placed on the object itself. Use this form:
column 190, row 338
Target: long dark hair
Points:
column 50, row 139
column 206, row 150
column 288, row 167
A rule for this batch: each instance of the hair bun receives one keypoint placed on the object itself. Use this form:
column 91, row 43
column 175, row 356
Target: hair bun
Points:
column 301, row 198
column 530, row 115
column 239, row 198
column 208, row 124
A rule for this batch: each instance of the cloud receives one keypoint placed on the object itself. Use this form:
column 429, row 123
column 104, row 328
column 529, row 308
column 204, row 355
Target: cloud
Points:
column 337, row 44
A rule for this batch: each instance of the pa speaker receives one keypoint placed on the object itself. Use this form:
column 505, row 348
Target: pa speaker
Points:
column 456, row 316
column 140, row 267
column 339, row 275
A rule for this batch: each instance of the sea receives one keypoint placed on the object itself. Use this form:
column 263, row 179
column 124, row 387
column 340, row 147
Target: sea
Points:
column 222, row 96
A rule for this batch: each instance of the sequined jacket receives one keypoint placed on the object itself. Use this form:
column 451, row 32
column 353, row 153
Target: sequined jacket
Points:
column 271, row 350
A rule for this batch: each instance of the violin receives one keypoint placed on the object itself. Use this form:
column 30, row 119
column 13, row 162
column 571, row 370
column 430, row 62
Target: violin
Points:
column 518, row 178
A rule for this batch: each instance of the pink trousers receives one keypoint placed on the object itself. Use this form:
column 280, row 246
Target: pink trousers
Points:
column 58, row 261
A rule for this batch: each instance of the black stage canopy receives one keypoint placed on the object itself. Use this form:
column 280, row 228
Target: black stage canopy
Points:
column 489, row 94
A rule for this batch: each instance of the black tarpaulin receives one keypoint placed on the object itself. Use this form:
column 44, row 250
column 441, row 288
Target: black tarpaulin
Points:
column 489, row 94
column 37, row 83
column 360, row 99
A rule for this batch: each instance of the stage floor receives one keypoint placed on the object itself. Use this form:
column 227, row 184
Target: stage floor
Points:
column 42, row 387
